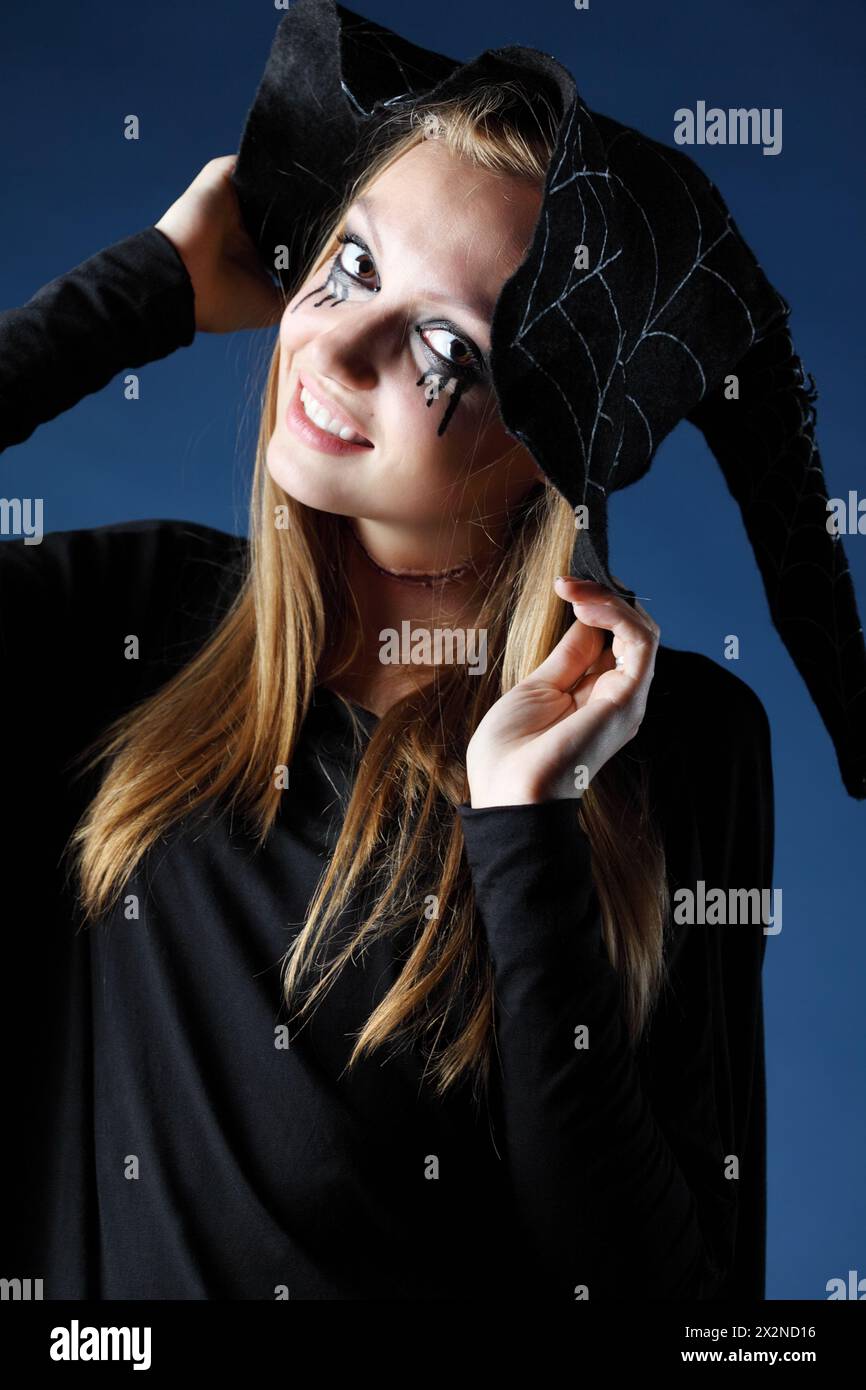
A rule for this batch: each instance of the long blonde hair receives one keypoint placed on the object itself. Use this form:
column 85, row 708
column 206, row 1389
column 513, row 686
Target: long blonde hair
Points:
column 214, row 734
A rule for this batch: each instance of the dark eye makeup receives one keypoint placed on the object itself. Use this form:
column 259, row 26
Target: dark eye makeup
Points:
column 462, row 359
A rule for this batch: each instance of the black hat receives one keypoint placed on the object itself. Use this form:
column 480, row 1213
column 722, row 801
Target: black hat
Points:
column 595, row 355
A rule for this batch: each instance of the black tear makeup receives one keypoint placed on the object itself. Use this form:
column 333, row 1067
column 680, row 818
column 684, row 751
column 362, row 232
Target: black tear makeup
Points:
column 337, row 293
column 435, row 384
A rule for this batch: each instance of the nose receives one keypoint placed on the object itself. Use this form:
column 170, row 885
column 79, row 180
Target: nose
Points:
column 353, row 342
column 341, row 356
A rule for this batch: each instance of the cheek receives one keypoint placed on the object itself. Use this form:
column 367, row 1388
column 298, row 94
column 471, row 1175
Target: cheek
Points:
column 301, row 320
column 489, row 475
column 295, row 329
column 408, row 425
column 455, row 470
column 462, row 416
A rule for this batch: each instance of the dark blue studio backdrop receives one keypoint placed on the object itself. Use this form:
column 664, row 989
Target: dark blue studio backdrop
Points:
column 72, row 185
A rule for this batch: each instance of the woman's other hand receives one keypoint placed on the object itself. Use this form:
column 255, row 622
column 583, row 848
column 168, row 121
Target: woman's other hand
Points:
column 232, row 288
column 574, row 712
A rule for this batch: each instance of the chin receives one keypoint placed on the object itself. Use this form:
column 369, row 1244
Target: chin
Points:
column 308, row 480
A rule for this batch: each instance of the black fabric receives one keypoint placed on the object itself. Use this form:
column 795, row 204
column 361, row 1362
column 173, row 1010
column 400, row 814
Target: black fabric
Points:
column 592, row 367
column 126, row 306
column 262, row 1169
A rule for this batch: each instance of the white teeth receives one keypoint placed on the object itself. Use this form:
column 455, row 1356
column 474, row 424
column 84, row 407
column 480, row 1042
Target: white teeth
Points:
column 321, row 417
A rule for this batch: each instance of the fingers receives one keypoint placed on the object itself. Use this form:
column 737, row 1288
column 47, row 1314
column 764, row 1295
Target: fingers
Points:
column 579, row 647
column 635, row 633
column 635, row 642
column 652, row 622
column 606, row 662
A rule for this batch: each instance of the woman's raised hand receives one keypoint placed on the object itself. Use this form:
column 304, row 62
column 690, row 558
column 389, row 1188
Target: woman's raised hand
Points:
column 232, row 289
column 574, row 712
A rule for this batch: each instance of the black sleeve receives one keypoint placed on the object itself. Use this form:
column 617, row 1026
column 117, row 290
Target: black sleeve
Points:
column 619, row 1156
column 129, row 304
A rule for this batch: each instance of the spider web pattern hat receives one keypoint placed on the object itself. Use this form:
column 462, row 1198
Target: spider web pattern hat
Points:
column 596, row 355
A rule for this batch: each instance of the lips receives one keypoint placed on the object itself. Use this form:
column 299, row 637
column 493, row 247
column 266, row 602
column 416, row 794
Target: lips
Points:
column 327, row 416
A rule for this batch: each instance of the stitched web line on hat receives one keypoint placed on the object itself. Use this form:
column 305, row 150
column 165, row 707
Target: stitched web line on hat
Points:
column 775, row 474
column 576, row 180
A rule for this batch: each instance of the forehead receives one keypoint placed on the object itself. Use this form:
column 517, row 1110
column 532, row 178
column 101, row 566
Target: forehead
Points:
column 451, row 217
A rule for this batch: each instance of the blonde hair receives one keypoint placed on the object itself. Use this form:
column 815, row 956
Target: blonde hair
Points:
column 213, row 735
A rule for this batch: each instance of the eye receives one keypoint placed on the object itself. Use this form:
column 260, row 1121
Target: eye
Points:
column 445, row 344
column 449, row 347
column 355, row 261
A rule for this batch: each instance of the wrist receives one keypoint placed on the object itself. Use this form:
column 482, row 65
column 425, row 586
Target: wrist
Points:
column 484, row 795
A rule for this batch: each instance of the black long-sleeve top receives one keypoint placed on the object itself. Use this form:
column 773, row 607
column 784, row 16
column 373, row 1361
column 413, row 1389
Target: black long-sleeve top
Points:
column 161, row 1143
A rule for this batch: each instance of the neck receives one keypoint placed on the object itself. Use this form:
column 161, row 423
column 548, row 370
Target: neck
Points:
column 418, row 576
column 387, row 597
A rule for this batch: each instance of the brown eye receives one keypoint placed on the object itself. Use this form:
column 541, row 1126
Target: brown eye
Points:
column 449, row 347
column 356, row 261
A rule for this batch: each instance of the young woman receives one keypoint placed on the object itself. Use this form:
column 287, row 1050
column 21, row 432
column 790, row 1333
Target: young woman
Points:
column 375, row 991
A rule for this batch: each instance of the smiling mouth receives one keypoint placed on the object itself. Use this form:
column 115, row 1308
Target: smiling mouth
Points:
column 321, row 416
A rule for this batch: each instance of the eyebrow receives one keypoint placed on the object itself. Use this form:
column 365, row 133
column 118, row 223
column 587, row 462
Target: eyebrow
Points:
column 482, row 307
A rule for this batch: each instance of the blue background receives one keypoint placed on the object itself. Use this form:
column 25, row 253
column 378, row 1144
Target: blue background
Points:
column 73, row 185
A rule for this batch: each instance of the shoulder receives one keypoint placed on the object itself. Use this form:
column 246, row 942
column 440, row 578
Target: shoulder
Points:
column 112, row 550
column 705, row 739
column 705, row 747
column 692, row 695
column 142, row 575
column 109, row 613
